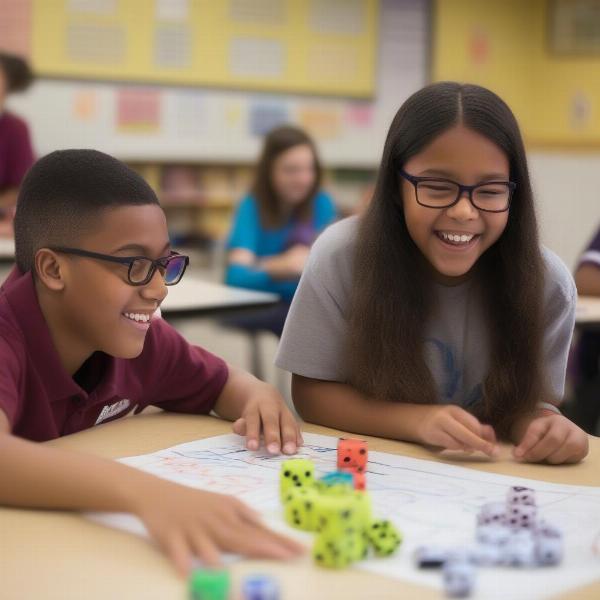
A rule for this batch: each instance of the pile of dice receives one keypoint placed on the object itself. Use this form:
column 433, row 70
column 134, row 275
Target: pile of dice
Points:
column 507, row 534
column 337, row 508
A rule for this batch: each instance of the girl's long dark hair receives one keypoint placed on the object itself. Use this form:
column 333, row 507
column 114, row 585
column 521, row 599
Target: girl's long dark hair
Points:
column 278, row 141
column 392, row 296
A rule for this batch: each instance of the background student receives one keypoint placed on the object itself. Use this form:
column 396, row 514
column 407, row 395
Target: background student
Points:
column 16, row 153
column 275, row 225
column 585, row 410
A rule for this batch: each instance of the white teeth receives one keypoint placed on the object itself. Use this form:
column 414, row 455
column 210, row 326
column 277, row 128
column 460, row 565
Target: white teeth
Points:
column 137, row 317
column 457, row 239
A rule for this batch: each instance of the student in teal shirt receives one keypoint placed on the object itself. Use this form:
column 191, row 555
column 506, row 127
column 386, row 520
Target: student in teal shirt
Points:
column 275, row 225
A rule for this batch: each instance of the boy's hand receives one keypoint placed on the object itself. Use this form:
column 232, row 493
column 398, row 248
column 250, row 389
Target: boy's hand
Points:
column 266, row 412
column 189, row 523
column 554, row 439
column 452, row 427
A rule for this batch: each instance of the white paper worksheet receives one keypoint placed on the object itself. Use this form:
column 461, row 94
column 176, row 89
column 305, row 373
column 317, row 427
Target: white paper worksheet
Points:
column 431, row 503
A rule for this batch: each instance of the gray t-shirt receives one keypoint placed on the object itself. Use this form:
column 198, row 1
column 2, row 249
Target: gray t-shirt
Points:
column 457, row 342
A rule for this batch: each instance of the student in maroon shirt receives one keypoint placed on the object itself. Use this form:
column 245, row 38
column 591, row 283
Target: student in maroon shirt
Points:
column 79, row 346
column 16, row 154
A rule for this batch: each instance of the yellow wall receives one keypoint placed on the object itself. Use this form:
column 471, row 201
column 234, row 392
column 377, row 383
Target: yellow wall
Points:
column 540, row 87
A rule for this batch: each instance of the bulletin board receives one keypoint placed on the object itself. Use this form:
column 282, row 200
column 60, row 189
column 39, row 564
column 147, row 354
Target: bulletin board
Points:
column 144, row 121
column 301, row 46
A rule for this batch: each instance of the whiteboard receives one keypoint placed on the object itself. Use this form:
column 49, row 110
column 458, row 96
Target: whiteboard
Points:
column 213, row 125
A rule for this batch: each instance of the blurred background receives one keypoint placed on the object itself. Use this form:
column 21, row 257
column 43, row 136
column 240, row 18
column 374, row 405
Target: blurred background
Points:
column 184, row 91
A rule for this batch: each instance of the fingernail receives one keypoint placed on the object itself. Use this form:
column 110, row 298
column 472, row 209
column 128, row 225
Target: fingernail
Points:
column 252, row 445
column 273, row 448
column 289, row 448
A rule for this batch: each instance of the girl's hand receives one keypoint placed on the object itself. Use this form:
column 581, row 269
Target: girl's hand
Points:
column 190, row 523
column 266, row 412
column 553, row 439
column 452, row 427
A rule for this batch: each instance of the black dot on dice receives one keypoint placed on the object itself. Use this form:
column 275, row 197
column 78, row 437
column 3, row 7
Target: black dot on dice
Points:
column 287, row 474
column 319, row 557
column 295, row 477
column 383, row 535
column 297, row 521
column 362, row 451
column 308, row 505
column 308, row 473
column 375, row 526
column 346, row 514
column 359, row 469
column 295, row 511
column 289, row 498
column 346, row 459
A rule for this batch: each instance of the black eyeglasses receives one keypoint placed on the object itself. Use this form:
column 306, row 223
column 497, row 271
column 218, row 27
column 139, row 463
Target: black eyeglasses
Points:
column 434, row 192
column 141, row 268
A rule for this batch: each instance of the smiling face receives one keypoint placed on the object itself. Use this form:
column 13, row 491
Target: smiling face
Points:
column 98, row 309
column 293, row 174
column 452, row 239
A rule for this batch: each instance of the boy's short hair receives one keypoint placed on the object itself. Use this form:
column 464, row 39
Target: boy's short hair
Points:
column 17, row 72
column 62, row 194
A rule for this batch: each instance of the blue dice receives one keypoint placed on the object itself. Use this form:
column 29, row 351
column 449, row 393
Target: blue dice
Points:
column 260, row 587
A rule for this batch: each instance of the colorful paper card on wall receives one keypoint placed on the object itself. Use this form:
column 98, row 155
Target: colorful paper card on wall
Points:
column 265, row 116
column 321, row 122
column 85, row 105
column 138, row 110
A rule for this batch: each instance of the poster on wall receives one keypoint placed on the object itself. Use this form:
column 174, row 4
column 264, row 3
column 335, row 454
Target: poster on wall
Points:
column 574, row 27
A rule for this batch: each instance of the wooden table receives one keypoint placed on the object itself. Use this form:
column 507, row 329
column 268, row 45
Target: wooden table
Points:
column 62, row 556
column 196, row 297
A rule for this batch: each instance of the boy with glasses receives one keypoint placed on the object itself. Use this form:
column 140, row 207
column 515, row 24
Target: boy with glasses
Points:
column 79, row 345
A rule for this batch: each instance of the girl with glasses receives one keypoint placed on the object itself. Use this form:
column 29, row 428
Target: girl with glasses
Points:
column 437, row 317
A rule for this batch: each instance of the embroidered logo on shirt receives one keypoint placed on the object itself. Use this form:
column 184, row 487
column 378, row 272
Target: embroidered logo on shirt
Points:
column 112, row 409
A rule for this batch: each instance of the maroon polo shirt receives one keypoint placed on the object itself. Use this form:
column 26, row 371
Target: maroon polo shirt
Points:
column 42, row 401
column 16, row 154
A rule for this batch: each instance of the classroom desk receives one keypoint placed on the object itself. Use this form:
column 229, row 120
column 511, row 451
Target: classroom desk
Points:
column 196, row 297
column 7, row 249
column 588, row 312
column 62, row 556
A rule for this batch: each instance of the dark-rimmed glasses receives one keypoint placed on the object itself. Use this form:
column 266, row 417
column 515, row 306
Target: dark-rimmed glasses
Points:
column 141, row 268
column 436, row 192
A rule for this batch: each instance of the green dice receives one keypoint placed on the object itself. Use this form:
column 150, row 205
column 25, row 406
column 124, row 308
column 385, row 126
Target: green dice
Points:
column 300, row 508
column 384, row 537
column 296, row 472
column 207, row 584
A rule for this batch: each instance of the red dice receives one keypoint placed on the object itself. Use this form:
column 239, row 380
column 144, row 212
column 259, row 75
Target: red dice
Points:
column 352, row 455
column 358, row 479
